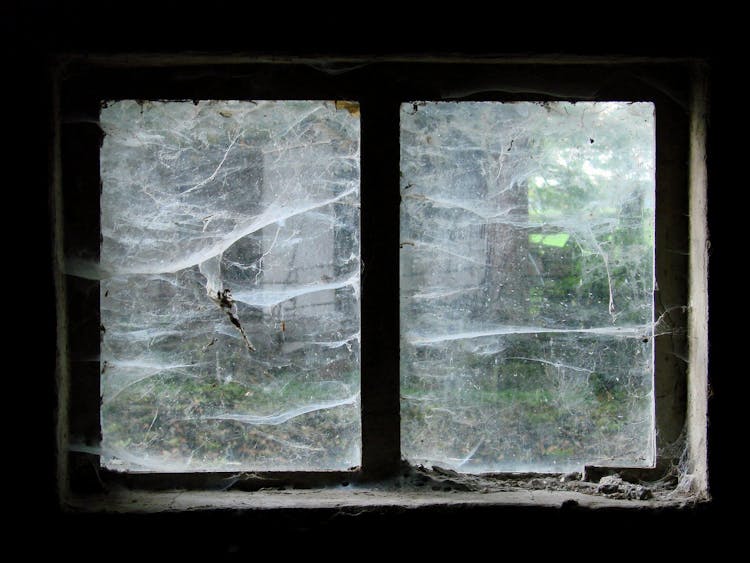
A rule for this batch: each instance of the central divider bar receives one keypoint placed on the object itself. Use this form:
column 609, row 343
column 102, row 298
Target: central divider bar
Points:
column 381, row 448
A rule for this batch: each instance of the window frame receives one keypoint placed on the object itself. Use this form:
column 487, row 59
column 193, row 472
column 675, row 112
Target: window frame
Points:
column 380, row 85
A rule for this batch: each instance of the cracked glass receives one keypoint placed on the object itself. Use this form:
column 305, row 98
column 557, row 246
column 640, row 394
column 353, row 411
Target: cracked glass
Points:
column 526, row 285
column 229, row 273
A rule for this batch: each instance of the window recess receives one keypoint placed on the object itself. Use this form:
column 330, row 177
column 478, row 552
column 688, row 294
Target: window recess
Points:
column 426, row 194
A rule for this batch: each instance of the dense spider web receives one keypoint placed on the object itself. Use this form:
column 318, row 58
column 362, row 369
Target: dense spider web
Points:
column 527, row 252
column 229, row 276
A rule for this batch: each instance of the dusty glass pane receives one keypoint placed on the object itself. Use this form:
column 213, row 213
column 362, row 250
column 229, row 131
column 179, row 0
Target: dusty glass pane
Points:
column 527, row 249
column 230, row 285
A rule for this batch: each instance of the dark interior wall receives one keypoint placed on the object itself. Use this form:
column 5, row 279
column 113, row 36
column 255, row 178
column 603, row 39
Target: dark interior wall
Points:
column 36, row 32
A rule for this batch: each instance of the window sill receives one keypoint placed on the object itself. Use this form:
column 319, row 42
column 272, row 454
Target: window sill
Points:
column 360, row 499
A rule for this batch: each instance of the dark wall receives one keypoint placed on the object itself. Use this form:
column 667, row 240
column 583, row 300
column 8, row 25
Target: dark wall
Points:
column 35, row 32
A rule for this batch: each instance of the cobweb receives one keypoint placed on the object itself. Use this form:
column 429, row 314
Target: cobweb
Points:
column 527, row 279
column 229, row 276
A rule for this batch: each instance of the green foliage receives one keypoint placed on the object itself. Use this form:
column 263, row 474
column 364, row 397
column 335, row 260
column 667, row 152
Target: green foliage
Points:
column 166, row 416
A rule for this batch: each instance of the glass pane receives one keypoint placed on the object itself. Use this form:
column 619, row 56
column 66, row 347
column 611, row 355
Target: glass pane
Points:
column 230, row 286
column 527, row 250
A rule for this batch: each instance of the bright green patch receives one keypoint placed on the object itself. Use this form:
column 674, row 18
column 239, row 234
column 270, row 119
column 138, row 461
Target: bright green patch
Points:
column 557, row 240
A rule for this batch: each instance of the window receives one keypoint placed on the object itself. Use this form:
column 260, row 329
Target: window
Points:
column 229, row 286
column 409, row 279
column 527, row 285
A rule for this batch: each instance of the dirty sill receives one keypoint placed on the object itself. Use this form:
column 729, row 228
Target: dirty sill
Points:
column 342, row 498
column 416, row 487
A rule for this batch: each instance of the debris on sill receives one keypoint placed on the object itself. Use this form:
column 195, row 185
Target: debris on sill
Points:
column 614, row 487
column 610, row 486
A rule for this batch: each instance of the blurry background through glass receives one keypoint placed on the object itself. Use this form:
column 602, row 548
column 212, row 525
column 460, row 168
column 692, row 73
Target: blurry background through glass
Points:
column 527, row 251
column 230, row 285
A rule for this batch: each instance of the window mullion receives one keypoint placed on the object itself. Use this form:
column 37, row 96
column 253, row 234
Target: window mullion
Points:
column 380, row 313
